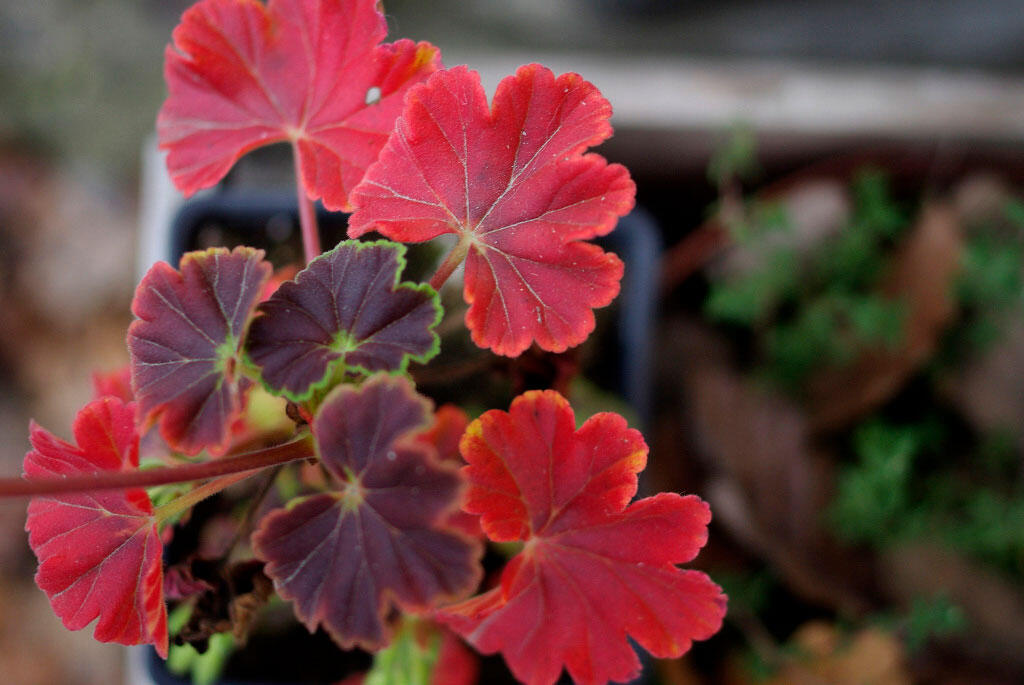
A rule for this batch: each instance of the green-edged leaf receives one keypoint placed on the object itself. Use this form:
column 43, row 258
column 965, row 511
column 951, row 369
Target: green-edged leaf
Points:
column 347, row 557
column 185, row 345
column 345, row 310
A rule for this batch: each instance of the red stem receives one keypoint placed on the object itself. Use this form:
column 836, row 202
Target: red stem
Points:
column 301, row 448
column 307, row 213
column 451, row 261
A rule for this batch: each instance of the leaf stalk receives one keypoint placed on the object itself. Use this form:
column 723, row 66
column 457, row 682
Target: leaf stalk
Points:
column 197, row 495
column 300, row 448
column 307, row 213
column 451, row 261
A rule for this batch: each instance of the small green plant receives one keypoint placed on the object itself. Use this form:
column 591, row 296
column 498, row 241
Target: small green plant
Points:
column 823, row 308
column 874, row 495
column 927, row 619
column 903, row 487
column 990, row 285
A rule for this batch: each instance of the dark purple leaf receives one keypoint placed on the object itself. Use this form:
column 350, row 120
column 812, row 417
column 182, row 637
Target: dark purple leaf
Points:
column 346, row 308
column 346, row 557
column 185, row 344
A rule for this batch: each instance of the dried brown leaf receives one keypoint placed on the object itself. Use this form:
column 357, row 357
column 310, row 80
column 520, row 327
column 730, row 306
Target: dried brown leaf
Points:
column 992, row 606
column 770, row 484
column 822, row 655
column 227, row 597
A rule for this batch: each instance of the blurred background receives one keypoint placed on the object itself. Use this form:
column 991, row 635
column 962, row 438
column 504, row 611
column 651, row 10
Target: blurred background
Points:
column 833, row 197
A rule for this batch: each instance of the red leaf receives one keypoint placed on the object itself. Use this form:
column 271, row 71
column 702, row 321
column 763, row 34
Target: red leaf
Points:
column 242, row 75
column 185, row 345
column 117, row 383
column 445, row 432
column 593, row 570
column 347, row 557
column 456, row 664
column 512, row 181
column 99, row 554
column 449, row 424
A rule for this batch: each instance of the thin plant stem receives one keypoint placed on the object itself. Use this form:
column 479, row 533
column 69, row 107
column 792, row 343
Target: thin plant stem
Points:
column 307, row 213
column 300, row 448
column 197, row 495
column 451, row 261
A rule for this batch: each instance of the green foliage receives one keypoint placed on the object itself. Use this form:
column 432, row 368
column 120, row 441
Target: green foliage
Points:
column 747, row 592
column 408, row 660
column 922, row 479
column 747, row 300
column 758, row 665
column 761, row 219
column 736, row 158
column 184, row 660
column 873, row 497
column 898, row 489
column 874, row 210
column 990, row 526
column 856, row 257
column 1015, row 212
column 991, row 273
column 821, row 309
column 932, row 618
column 205, row 668
column 990, row 282
column 832, row 329
column 927, row 619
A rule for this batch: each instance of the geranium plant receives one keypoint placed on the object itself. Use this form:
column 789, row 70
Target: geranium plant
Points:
column 385, row 524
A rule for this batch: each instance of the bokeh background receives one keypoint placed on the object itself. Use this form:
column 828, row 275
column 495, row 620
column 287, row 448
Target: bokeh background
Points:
column 835, row 193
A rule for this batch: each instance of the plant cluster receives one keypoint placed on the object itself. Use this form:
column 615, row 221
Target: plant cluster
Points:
column 384, row 522
column 903, row 488
column 874, row 328
column 827, row 309
column 822, row 309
